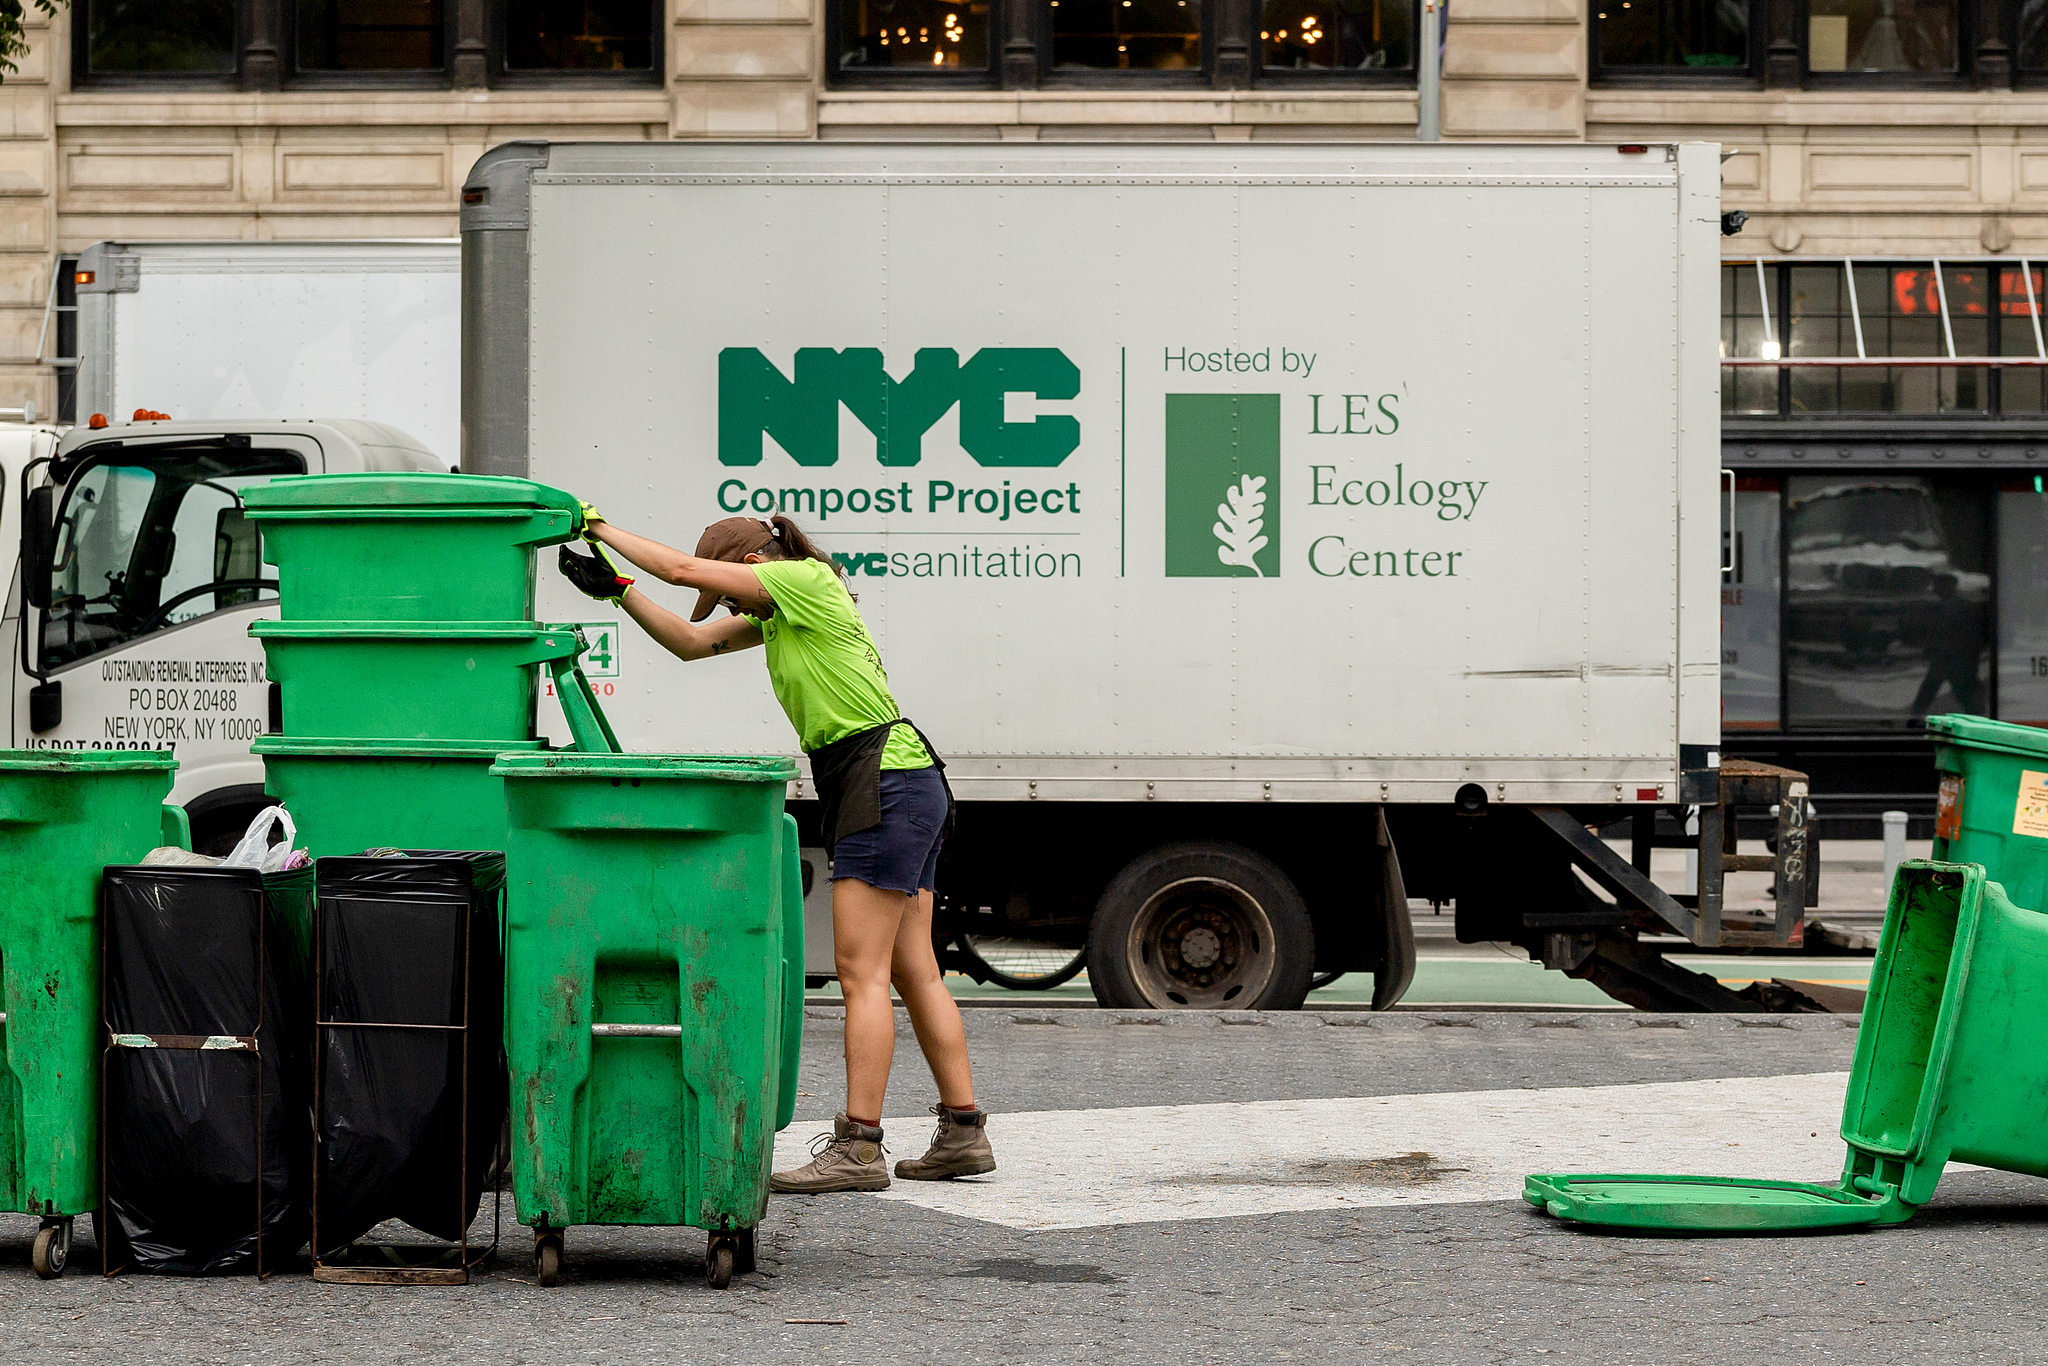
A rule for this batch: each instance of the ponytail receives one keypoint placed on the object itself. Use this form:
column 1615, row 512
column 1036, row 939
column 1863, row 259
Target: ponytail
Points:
column 792, row 544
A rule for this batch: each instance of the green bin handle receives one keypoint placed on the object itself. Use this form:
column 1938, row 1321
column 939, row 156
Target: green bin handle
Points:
column 587, row 723
column 177, row 827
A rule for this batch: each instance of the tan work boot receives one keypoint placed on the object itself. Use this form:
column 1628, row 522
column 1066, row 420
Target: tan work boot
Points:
column 850, row 1159
column 959, row 1148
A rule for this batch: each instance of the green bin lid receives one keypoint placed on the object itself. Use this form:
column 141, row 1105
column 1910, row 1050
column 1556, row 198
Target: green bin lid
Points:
column 1700, row 1204
column 1981, row 732
column 736, row 768
column 87, row 761
column 306, row 492
column 267, row 628
column 346, row 747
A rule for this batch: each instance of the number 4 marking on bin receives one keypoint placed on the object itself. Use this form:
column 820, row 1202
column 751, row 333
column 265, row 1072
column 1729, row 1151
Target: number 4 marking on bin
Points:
column 601, row 660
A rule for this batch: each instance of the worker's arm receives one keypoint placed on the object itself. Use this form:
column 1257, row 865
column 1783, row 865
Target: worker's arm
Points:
column 685, row 639
column 723, row 577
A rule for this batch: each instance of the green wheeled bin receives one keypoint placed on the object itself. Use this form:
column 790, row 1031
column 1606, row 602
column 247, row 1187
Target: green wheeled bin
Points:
column 408, row 547
column 64, row 816
column 1994, row 801
column 1948, row 1068
column 653, row 992
column 346, row 795
column 394, row 681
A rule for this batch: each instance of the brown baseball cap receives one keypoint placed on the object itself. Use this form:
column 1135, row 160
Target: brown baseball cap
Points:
column 733, row 539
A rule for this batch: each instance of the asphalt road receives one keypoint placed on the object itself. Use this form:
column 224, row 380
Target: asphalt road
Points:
column 1217, row 1115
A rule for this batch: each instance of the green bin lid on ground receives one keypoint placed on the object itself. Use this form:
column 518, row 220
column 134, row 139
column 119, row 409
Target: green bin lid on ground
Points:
column 737, row 768
column 1699, row 1204
column 86, row 761
column 339, row 492
column 346, row 747
column 1981, row 732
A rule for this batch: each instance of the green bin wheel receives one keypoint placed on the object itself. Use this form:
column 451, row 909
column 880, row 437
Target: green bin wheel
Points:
column 547, row 1256
column 743, row 1260
column 52, row 1248
column 719, row 1256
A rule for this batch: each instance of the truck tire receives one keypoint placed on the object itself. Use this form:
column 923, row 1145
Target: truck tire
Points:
column 1201, row 926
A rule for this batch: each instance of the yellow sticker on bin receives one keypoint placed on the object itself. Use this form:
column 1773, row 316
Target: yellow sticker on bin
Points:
column 2030, row 811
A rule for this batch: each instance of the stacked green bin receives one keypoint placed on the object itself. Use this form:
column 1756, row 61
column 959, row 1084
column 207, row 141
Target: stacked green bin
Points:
column 654, row 992
column 1994, row 801
column 406, row 658
column 64, row 815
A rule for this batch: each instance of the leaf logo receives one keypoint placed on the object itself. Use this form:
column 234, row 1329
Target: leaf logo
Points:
column 1241, row 522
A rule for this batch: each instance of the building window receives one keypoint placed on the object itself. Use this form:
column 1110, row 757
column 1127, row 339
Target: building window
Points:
column 1821, row 310
column 157, row 38
column 1671, row 38
column 1109, row 42
column 1126, row 35
column 370, row 35
column 266, row 43
column 915, row 35
column 1883, row 37
column 1350, row 35
column 580, row 35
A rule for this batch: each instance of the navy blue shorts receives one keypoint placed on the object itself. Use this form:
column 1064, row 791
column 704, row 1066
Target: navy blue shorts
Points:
column 902, row 853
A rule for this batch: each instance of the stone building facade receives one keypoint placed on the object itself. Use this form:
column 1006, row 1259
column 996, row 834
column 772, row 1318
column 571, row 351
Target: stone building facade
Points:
column 1914, row 164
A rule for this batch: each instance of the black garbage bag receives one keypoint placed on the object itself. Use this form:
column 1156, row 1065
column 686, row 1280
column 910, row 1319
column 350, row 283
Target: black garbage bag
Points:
column 208, row 1088
column 411, row 1002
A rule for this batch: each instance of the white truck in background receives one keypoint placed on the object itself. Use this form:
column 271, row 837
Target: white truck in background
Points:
column 1230, row 519
column 212, row 330
column 127, row 610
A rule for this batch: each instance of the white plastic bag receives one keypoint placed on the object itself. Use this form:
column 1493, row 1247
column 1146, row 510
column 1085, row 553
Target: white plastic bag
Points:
column 255, row 850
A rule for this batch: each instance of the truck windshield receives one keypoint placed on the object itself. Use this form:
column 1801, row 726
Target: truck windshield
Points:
column 147, row 545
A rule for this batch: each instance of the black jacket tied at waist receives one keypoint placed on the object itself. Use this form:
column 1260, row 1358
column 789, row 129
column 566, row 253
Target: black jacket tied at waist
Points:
column 848, row 773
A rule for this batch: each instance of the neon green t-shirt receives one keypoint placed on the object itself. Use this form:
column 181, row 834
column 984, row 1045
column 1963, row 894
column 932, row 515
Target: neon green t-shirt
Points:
column 824, row 666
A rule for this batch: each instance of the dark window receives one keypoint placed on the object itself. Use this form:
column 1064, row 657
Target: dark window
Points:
column 371, row 35
column 917, row 35
column 1126, row 35
column 159, row 37
column 64, row 324
column 2030, row 35
column 1101, row 42
column 1883, row 37
column 367, row 42
column 1674, row 37
column 1337, row 35
column 579, row 35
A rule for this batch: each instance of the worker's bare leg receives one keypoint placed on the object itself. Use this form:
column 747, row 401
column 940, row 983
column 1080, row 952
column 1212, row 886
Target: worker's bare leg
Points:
column 915, row 971
column 865, row 924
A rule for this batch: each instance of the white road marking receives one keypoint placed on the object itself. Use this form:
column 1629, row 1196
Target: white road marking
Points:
column 1085, row 1168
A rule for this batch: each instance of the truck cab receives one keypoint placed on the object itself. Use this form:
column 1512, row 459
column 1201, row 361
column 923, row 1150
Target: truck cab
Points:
column 137, row 577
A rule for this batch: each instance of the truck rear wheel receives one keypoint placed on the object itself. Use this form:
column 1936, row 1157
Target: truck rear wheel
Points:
column 1201, row 926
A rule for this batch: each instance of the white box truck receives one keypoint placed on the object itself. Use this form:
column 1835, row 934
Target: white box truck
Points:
column 209, row 330
column 1229, row 518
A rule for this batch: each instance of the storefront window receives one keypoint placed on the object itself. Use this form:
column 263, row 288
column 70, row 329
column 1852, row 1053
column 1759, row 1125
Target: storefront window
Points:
column 1127, row 35
column 579, row 35
column 1354, row 35
column 1887, row 600
column 150, row 37
column 1700, row 37
column 1901, row 312
column 1750, row 388
column 1881, row 37
column 921, row 35
column 1750, row 603
column 370, row 35
column 2023, row 602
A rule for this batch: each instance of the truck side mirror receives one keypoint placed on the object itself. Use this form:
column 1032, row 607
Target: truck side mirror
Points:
column 45, row 706
column 38, row 544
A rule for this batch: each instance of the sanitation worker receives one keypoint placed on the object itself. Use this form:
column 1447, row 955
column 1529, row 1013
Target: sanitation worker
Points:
column 886, row 809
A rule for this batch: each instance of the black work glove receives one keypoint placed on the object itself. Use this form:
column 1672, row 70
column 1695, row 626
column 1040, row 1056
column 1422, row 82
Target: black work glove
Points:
column 594, row 574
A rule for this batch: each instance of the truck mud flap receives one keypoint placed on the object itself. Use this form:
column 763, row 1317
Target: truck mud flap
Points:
column 1391, row 982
